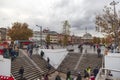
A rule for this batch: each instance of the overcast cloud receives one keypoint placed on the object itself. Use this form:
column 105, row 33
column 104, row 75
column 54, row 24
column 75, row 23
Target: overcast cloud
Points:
column 51, row 13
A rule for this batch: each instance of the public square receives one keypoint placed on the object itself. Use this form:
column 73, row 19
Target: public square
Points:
column 59, row 40
column 75, row 61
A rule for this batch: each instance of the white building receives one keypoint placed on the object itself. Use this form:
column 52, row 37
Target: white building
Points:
column 37, row 35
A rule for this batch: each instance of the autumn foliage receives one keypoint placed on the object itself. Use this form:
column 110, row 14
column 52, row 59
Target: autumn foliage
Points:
column 109, row 23
column 20, row 31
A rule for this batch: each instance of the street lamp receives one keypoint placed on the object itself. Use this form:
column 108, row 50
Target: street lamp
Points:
column 113, row 4
column 40, row 33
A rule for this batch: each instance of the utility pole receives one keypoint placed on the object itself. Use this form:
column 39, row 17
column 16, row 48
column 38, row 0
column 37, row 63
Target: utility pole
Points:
column 40, row 34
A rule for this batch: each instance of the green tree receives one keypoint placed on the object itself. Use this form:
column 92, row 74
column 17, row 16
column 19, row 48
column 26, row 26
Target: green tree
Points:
column 48, row 39
column 65, row 40
column 20, row 31
column 66, row 27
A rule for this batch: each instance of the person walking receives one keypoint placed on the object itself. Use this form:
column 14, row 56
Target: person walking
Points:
column 42, row 77
column 89, row 70
column 92, row 77
column 99, row 52
column 46, row 77
column 81, row 49
column 31, row 50
column 17, row 51
column 48, row 60
column 58, row 77
column 79, row 76
column 68, row 76
column 95, row 71
column 94, row 47
column 21, row 72
column 86, row 75
column 42, row 54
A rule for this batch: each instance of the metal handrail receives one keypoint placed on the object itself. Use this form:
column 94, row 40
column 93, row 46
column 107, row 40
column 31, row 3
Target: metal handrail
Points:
column 102, row 74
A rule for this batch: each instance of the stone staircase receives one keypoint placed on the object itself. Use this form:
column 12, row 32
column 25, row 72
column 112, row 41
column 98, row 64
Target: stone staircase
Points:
column 89, row 59
column 42, row 63
column 70, row 62
column 31, row 72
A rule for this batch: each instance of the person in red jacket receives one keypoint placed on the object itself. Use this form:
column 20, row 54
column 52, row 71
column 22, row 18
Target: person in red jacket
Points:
column 92, row 77
column 11, row 78
column 46, row 77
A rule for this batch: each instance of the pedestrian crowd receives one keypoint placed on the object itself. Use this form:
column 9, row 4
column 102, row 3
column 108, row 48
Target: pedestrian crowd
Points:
column 88, row 75
column 11, row 51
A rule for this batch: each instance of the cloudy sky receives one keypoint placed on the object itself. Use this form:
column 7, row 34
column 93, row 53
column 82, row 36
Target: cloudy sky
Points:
column 51, row 14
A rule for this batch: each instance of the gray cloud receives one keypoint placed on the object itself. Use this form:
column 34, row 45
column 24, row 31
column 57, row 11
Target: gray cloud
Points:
column 51, row 14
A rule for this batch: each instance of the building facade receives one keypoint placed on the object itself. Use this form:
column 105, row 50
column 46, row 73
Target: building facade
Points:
column 3, row 34
column 38, row 36
column 87, row 38
column 55, row 37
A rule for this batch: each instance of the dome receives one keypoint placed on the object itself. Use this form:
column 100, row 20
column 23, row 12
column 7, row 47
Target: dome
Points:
column 87, row 36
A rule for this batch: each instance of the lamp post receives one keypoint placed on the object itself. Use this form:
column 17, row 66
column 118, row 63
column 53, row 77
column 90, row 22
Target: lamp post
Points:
column 114, row 4
column 40, row 33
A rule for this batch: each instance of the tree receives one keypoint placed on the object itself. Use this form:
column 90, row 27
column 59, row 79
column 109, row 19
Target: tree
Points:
column 103, row 41
column 98, row 40
column 108, row 40
column 66, row 27
column 94, row 40
column 109, row 22
column 65, row 40
column 66, row 32
column 48, row 39
column 60, row 42
column 20, row 31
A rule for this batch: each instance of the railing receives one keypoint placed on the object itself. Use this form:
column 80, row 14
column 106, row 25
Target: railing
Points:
column 108, row 74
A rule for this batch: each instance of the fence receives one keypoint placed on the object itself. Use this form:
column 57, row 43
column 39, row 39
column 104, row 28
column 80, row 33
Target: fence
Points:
column 108, row 74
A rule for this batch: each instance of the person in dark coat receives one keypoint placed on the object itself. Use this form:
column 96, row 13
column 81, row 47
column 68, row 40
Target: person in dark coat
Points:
column 48, row 60
column 21, row 72
column 94, row 47
column 81, row 49
column 79, row 76
column 68, row 74
column 30, row 52
column 86, row 75
column 42, row 54
column 95, row 71
column 48, row 66
column 28, row 47
column 99, row 52
column 13, row 54
column 57, row 77
column 46, row 77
